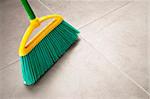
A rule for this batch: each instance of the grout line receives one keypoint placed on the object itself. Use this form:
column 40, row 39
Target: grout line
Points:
column 9, row 65
column 117, row 67
column 94, row 19
column 116, row 9
column 42, row 3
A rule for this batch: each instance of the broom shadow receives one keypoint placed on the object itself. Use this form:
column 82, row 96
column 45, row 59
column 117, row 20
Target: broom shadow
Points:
column 52, row 70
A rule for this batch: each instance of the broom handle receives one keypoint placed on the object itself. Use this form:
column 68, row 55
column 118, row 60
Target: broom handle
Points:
column 28, row 10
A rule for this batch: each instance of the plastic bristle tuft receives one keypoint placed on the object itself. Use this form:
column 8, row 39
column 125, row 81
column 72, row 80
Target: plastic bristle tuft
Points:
column 47, row 52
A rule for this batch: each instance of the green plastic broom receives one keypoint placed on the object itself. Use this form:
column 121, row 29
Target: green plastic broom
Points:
column 46, row 47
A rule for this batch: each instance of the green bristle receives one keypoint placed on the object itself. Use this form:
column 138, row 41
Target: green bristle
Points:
column 47, row 52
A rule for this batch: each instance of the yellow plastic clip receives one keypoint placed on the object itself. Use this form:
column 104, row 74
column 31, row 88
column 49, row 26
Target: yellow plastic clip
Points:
column 25, row 48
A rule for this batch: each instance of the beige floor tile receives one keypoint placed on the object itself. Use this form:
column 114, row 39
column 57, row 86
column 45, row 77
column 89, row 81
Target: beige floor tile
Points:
column 122, row 38
column 14, row 23
column 82, row 12
column 80, row 74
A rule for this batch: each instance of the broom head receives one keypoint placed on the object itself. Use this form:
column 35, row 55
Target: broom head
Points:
column 46, row 47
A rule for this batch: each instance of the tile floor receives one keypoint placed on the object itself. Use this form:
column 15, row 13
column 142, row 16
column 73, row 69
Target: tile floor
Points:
column 109, row 61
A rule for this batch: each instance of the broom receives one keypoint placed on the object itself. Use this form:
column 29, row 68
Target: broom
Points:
column 46, row 47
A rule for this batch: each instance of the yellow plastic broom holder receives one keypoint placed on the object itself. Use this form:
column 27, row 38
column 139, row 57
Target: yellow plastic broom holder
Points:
column 25, row 48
